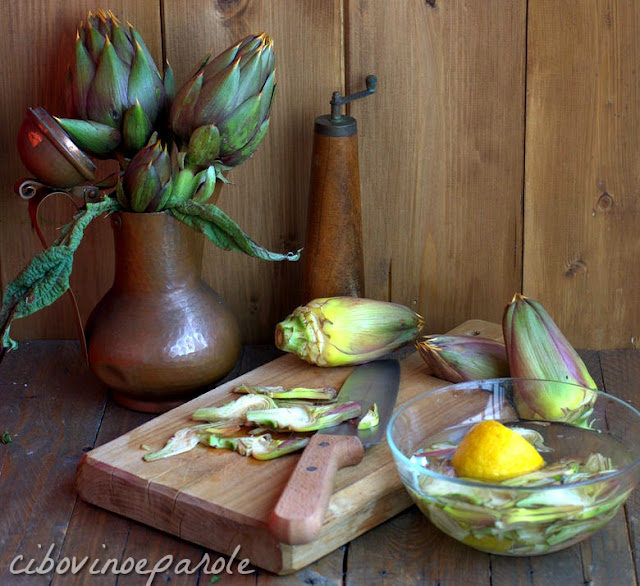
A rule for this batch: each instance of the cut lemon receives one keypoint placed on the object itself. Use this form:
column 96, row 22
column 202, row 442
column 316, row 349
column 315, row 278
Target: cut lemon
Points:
column 492, row 452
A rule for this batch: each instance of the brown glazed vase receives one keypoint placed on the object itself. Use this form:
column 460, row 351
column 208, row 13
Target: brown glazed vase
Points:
column 160, row 335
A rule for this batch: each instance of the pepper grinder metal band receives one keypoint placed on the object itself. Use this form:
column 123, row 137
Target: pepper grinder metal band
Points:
column 333, row 256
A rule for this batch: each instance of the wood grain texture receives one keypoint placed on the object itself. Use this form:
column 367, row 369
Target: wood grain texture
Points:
column 581, row 195
column 37, row 467
column 409, row 550
column 333, row 263
column 441, row 153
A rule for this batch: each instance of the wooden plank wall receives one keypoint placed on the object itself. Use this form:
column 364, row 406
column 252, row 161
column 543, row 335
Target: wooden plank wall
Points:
column 498, row 155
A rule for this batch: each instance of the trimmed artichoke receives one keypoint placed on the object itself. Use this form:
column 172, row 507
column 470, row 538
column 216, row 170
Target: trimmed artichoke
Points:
column 463, row 358
column 115, row 85
column 335, row 331
column 537, row 349
column 221, row 114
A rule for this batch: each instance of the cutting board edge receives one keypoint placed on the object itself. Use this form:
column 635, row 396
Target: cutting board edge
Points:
column 103, row 475
column 266, row 553
column 334, row 536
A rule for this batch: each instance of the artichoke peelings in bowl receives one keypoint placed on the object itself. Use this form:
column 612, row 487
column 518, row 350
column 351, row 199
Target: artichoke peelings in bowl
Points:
column 589, row 469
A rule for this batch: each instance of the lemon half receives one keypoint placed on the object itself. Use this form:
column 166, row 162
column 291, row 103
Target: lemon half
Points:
column 492, row 452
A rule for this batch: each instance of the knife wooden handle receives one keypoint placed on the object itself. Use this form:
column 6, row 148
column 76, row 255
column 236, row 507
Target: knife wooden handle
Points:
column 301, row 509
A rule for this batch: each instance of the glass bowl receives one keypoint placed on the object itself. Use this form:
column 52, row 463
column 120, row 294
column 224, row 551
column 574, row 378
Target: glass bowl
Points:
column 552, row 510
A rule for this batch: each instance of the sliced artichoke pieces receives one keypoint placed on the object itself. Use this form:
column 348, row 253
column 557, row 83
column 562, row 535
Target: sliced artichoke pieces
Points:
column 326, row 394
column 235, row 410
column 371, row 418
column 187, row 438
column 261, row 447
column 304, row 417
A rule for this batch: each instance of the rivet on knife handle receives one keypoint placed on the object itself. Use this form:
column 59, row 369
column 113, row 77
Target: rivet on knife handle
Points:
column 302, row 507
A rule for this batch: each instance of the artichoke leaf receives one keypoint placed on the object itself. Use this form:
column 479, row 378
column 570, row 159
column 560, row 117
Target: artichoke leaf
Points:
column 108, row 93
column 223, row 231
column 46, row 278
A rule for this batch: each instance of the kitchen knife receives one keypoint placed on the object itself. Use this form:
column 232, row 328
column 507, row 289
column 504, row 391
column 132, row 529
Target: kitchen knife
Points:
column 300, row 511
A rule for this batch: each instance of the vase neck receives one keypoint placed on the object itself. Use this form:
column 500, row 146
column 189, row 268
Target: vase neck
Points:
column 154, row 251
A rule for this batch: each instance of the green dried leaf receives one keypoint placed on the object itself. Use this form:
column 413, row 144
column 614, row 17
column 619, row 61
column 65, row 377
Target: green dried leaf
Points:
column 223, row 231
column 46, row 278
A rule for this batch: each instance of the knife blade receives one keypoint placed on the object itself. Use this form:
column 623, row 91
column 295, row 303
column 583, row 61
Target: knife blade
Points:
column 299, row 514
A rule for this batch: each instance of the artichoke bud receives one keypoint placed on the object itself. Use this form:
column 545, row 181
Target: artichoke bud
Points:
column 303, row 417
column 145, row 83
column 160, row 202
column 121, row 196
column 232, row 91
column 235, row 410
column 463, row 358
column 81, row 77
column 242, row 154
column 95, row 138
column 113, row 70
column 146, row 176
column 261, row 447
column 185, row 183
column 335, row 331
column 183, row 107
column 537, row 349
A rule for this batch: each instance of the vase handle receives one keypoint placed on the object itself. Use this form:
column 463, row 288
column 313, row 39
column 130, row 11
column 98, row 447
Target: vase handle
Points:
column 35, row 193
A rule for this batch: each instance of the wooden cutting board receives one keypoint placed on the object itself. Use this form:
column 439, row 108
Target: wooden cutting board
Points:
column 219, row 499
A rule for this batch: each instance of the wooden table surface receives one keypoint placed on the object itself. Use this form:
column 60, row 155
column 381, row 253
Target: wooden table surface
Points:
column 55, row 410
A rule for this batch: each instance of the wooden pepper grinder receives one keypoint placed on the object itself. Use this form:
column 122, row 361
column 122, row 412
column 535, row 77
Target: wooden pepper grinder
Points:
column 333, row 258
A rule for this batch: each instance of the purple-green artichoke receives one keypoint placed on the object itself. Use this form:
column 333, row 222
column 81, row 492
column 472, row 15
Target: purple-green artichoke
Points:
column 221, row 114
column 116, row 88
column 537, row 349
column 463, row 358
column 147, row 183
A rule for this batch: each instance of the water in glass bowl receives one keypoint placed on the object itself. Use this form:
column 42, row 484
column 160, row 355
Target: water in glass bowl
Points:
column 577, row 491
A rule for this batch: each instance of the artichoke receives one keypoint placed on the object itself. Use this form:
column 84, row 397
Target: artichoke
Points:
column 146, row 184
column 337, row 331
column 537, row 349
column 115, row 85
column 221, row 114
column 463, row 358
